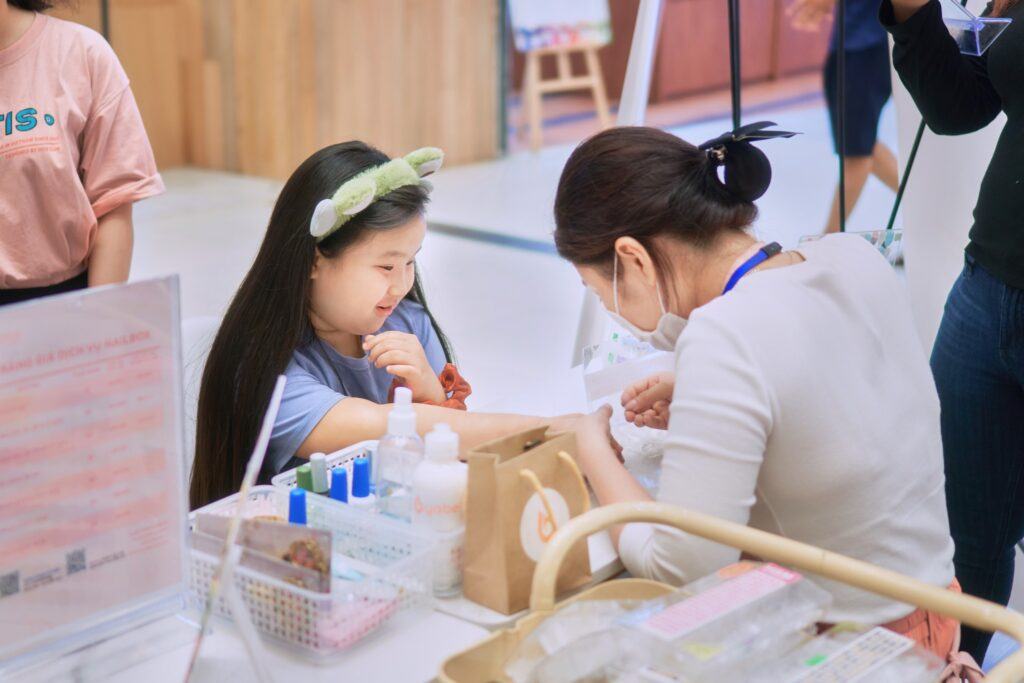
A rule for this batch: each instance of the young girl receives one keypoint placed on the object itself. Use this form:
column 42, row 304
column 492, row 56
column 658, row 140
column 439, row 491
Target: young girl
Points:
column 333, row 301
column 73, row 156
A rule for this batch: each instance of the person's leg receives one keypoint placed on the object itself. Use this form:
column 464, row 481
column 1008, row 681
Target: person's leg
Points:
column 983, row 440
column 866, row 94
column 857, row 171
column 883, row 166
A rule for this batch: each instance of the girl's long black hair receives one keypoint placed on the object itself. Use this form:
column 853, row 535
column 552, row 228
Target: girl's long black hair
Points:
column 268, row 317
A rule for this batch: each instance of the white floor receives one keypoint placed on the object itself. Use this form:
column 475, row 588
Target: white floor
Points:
column 508, row 304
column 512, row 198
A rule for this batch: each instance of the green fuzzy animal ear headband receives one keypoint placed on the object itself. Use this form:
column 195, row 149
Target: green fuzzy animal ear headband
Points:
column 358, row 193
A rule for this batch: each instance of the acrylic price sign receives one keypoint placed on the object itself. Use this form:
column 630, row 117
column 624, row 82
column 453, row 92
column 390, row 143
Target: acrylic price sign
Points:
column 92, row 510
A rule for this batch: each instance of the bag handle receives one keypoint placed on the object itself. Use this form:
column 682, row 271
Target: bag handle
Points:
column 972, row 611
column 571, row 464
column 534, row 481
column 531, row 478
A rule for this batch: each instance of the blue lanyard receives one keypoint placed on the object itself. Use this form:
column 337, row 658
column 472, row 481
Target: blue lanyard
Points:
column 762, row 255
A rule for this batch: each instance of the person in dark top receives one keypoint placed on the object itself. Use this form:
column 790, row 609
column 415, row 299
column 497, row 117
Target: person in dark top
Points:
column 978, row 358
column 868, row 88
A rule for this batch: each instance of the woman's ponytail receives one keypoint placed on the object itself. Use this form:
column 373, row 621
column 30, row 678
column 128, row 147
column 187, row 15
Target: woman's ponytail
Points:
column 747, row 171
column 644, row 183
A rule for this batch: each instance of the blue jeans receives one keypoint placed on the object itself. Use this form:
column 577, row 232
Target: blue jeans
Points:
column 978, row 363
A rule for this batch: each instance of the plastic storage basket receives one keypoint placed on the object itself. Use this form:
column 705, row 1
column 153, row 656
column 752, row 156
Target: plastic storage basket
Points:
column 343, row 458
column 388, row 574
column 449, row 545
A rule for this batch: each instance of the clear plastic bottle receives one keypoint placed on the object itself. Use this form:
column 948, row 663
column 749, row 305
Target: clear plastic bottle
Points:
column 398, row 454
column 439, row 485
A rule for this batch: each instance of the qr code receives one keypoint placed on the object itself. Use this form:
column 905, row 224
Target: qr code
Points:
column 10, row 584
column 76, row 561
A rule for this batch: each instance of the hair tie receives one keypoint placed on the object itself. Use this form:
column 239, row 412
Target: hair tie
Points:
column 364, row 189
column 748, row 173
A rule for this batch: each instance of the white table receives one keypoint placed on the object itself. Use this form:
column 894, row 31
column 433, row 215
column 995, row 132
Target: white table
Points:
column 410, row 651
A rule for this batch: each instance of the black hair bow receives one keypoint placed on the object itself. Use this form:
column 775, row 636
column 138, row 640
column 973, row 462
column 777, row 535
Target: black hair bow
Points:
column 748, row 173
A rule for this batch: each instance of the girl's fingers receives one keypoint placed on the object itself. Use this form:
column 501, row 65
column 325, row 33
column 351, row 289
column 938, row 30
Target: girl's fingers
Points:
column 377, row 351
column 385, row 346
column 394, row 357
column 371, row 341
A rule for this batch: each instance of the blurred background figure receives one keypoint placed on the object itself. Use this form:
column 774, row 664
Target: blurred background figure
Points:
column 868, row 87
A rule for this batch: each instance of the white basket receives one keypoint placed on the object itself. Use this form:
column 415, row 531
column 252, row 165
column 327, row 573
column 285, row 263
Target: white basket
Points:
column 343, row 458
column 399, row 581
column 449, row 544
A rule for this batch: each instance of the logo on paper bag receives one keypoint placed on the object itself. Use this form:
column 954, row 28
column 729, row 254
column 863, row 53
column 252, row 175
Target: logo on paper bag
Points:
column 536, row 527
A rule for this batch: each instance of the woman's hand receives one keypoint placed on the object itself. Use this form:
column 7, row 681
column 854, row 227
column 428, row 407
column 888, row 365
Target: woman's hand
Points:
column 808, row 15
column 403, row 356
column 647, row 401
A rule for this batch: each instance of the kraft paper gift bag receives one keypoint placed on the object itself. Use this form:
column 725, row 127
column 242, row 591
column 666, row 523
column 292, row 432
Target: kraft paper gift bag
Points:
column 522, row 488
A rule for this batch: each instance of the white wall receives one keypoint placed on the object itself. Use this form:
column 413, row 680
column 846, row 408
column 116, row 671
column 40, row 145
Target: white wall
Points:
column 937, row 208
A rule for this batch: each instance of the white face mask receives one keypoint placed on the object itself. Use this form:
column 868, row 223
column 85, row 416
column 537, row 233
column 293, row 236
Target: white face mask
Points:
column 670, row 326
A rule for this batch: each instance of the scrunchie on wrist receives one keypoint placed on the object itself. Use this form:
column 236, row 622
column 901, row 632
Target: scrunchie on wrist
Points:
column 454, row 385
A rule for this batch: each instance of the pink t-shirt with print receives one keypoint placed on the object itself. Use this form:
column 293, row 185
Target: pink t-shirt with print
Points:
column 72, row 148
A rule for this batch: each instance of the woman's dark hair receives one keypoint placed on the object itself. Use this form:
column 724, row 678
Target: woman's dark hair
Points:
column 36, row 5
column 268, row 318
column 641, row 183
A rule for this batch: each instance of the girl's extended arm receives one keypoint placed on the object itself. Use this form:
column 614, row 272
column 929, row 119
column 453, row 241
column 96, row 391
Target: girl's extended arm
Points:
column 353, row 420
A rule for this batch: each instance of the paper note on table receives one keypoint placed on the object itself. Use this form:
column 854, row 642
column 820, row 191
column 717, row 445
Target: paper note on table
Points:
column 92, row 511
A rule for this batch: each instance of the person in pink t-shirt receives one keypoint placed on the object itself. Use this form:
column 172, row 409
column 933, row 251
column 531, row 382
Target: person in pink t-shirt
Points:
column 74, row 156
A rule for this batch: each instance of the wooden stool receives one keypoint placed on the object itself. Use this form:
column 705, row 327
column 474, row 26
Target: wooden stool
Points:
column 535, row 87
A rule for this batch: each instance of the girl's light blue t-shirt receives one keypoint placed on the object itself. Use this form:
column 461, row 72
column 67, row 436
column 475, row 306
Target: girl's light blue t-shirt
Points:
column 319, row 377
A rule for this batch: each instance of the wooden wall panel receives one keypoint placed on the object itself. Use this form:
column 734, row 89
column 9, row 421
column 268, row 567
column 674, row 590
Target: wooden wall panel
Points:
column 255, row 86
column 294, row 76
column 147, row 36
column 693, row 55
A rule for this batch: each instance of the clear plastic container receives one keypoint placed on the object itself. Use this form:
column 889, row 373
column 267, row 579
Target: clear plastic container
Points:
column 398, row 453
column 852, row 653
column 973, row 35
column 381, row 570
column 563, row 628
column 719, row 628
column 722, row 625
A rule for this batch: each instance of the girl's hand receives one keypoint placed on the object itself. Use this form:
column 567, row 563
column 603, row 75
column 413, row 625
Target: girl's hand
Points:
column 808, row 15
column 593, row 427
column 594, row 439
column 647, row 401
column 402, row 355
